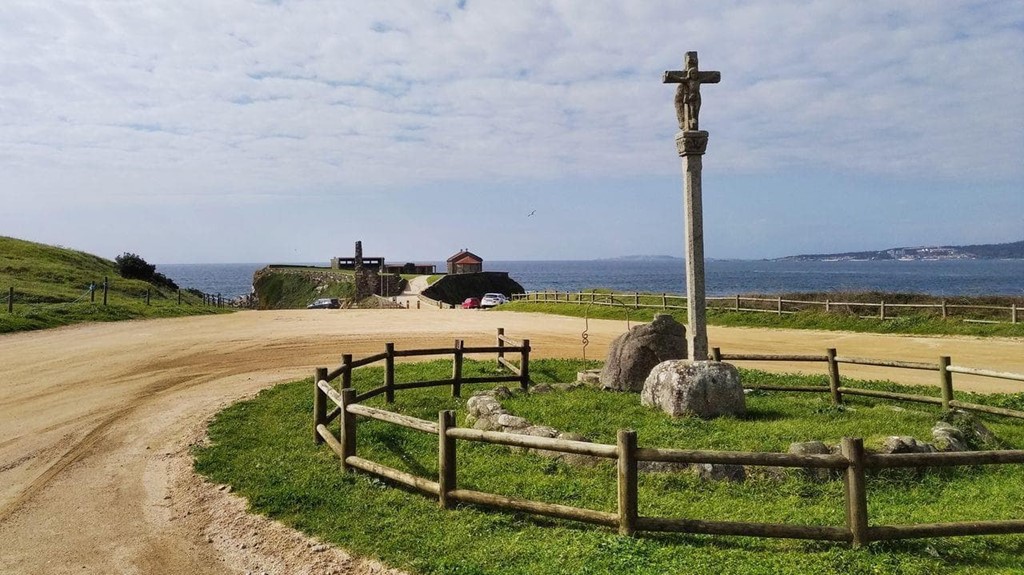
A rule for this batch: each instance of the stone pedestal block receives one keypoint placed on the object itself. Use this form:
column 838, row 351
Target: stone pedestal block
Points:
column 705, row 389
column 632, row 355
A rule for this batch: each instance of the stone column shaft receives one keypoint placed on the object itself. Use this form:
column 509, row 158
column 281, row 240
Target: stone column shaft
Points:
column 691, row 146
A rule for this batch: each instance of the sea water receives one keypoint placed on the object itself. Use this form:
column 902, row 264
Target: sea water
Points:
column 724, row 277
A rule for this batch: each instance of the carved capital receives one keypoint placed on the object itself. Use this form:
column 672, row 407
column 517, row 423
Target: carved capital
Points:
column 692, row 142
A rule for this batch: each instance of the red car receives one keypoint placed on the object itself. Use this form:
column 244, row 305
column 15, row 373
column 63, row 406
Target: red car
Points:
column 471, row 303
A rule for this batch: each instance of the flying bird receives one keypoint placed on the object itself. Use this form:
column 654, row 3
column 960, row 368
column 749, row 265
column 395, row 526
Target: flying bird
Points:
column 531, row 213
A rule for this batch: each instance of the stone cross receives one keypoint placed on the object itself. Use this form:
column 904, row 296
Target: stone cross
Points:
column 691, row 144
column 688, row 92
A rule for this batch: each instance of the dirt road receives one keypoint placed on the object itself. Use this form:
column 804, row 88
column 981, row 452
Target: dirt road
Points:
column 96, row 422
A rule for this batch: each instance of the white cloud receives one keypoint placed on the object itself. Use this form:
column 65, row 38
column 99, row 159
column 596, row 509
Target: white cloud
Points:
column 222, row 99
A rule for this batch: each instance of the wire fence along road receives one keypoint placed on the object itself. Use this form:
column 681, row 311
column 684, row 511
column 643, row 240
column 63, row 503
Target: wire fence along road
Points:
column 852, row 461
column 881, row 309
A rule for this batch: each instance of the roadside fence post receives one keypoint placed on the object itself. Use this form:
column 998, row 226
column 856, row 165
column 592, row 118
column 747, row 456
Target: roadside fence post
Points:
column 446, row 461
column 855, row 491
column 779, row 303
column 179, row 297
column 627, row 481
column 664, row 300
column 716, row 354
column 92, row 292
column 346, row 375
column 524, row 368
column 348, row 427
column 1013, row 312
column 501, row 345
column 106, row 289
column 946, row 378
column 828, row 305
column 10, row 300
column 881, row 310
column 833, row 376
column 943, row 309
column 147, row 296
column 319, row 404
column 389, row 372
column 737, row 302
column 457, row 369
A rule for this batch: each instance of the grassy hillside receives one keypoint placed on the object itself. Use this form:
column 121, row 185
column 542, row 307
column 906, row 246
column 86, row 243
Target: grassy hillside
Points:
column 295, row 287
column 51, row 288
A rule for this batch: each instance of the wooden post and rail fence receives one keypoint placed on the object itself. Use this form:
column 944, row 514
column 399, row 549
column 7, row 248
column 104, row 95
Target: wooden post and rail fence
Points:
column 207, row 299
column 852, row 460
column 776, row 305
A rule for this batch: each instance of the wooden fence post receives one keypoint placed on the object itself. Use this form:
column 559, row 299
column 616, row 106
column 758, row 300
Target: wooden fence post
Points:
column 10, row 300
column 716, row 354
column 524, row 367
column 855, row 491
column 179, row 297
column 780, row 305
column 501, row 345
column 457, row 369
column 943, row 309
column 106, row 289
column 881, row 310
column 147, row 296
column 833, row 376
column 946, row 378
column 1013, row 312
column 627, row 481
column 389, row 372
column 828, row 305
column 319, row 403
column 737, row 302
column 348, row 427
column 346, row 375
column 664, row 300
column 446, row 461
column 636, row 300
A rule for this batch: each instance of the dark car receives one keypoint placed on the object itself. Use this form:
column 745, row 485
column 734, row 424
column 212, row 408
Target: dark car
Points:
column 471, row 303
column 325, row 303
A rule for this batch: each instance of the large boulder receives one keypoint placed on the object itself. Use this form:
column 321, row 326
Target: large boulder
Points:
column 703, row 388
column 633, row 354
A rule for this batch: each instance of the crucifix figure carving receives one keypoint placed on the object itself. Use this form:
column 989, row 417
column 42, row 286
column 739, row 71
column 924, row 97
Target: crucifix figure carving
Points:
column 688, row 92
column 691, row 142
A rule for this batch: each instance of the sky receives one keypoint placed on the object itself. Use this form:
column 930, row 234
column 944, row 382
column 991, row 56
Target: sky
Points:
column 284, row 131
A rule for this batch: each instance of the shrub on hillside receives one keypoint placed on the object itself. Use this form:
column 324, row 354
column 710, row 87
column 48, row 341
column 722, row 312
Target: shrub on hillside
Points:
column 132, row 266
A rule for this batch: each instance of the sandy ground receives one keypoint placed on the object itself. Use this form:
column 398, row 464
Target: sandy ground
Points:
column 96, row 423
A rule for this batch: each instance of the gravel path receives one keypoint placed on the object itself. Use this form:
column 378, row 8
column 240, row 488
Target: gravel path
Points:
column 96, row 423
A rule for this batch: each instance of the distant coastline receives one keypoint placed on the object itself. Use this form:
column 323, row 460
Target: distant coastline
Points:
column 1008, row 251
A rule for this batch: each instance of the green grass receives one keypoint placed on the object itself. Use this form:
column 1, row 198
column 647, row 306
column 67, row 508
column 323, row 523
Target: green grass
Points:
column 921, row 324
column 51, row 289
column 264, row 448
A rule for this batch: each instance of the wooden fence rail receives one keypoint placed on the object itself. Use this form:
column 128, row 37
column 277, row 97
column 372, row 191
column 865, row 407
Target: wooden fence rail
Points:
column 943, row 368
column 852, row 460
column 774, row 305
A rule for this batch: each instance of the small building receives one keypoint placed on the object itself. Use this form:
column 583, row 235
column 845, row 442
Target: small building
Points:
column 465, row 262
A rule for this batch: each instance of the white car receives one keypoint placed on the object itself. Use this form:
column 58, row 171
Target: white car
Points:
column 492, row 299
